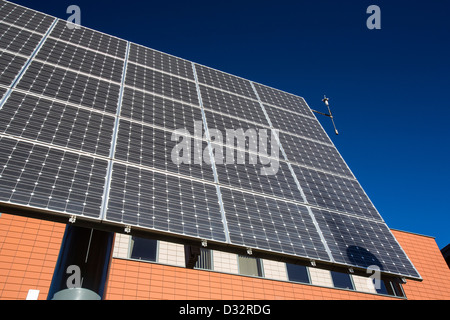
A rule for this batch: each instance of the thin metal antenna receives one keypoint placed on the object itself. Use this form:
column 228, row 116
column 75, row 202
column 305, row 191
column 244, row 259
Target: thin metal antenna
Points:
column 330, row 115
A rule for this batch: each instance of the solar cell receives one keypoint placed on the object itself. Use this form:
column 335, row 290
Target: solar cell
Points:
column 283, row 100
column 248, row 177
column 44, row 120
column 163, row 202
column 316, row 155
column 152, row 147
column 66, row 85
column 53, row 179
column 10, row 66
column 24, row 18
column 296, row 124
column 271, row 224
column 159, row 111
column 161, row 61
column 18, row 40
column 90, row 39
column 233, row 105
column 224, row 81
column 80, row 59
column 161, row 83
column 337, row 193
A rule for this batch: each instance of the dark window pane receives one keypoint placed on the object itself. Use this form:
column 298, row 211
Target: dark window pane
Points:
column 297, row 273
column 204, row 260
column 341, row 280
column 398, row 291
column 380, row 286
column 143, row 249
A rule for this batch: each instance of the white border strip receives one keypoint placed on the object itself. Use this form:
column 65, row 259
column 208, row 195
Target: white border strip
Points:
column 107, row 185
column 213, row 164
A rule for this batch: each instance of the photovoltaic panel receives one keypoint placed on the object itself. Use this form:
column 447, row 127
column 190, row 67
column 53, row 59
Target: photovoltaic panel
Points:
column 271, row 224
column 159, row 111
column 80, row 59
column 316, row 155
column 46, row 178
column 160, row 61
column 151, row 147
column 90, row 39
column 70, row 86
column 24, row 18
column 248, row 177
column 363, row 243
column 336, row 193
column 60, row 122
column 296, row 124
column 233, row 105
column 18, row 40
column 154, row 200
column 224, row 81
column 283, row 100
column 224, row 122
column 44, row 120
column 161, row 83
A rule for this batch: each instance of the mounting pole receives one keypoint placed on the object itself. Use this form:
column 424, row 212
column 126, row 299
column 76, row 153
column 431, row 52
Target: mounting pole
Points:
column 329, row 114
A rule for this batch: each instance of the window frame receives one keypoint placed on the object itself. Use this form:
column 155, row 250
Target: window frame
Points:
column 259, row 266
column 131, row 246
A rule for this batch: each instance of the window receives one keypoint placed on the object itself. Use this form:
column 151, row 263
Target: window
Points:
column 204, row 260
column 249, row 266
column 143, row 249
column 390, row 287
column 380, row 286
column 297, row 273
column 397, row 288
column 342, row 280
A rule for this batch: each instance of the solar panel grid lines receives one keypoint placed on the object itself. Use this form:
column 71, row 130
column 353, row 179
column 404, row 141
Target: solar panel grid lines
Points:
column 91, row 39
column 151, row 147
column 283, row 100
column 267, row 223
column 161, row 83
column 70, row 86
column 24, row 17
column 18, row 40
column 157, row 60
column 224, row 81
column 81, row 60
column 40, row 119
column 172, row 199
column 158, row 111
column 48, row 178
column 10, row 67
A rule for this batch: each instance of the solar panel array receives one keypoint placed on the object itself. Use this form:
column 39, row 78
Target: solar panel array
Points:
column 89, row 123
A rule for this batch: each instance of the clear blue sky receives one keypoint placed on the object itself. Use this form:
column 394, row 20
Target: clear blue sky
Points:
column 388, row 88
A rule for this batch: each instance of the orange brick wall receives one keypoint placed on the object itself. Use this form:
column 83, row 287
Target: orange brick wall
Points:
column 133, row 280
column 428, row 260
column 29, row 250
